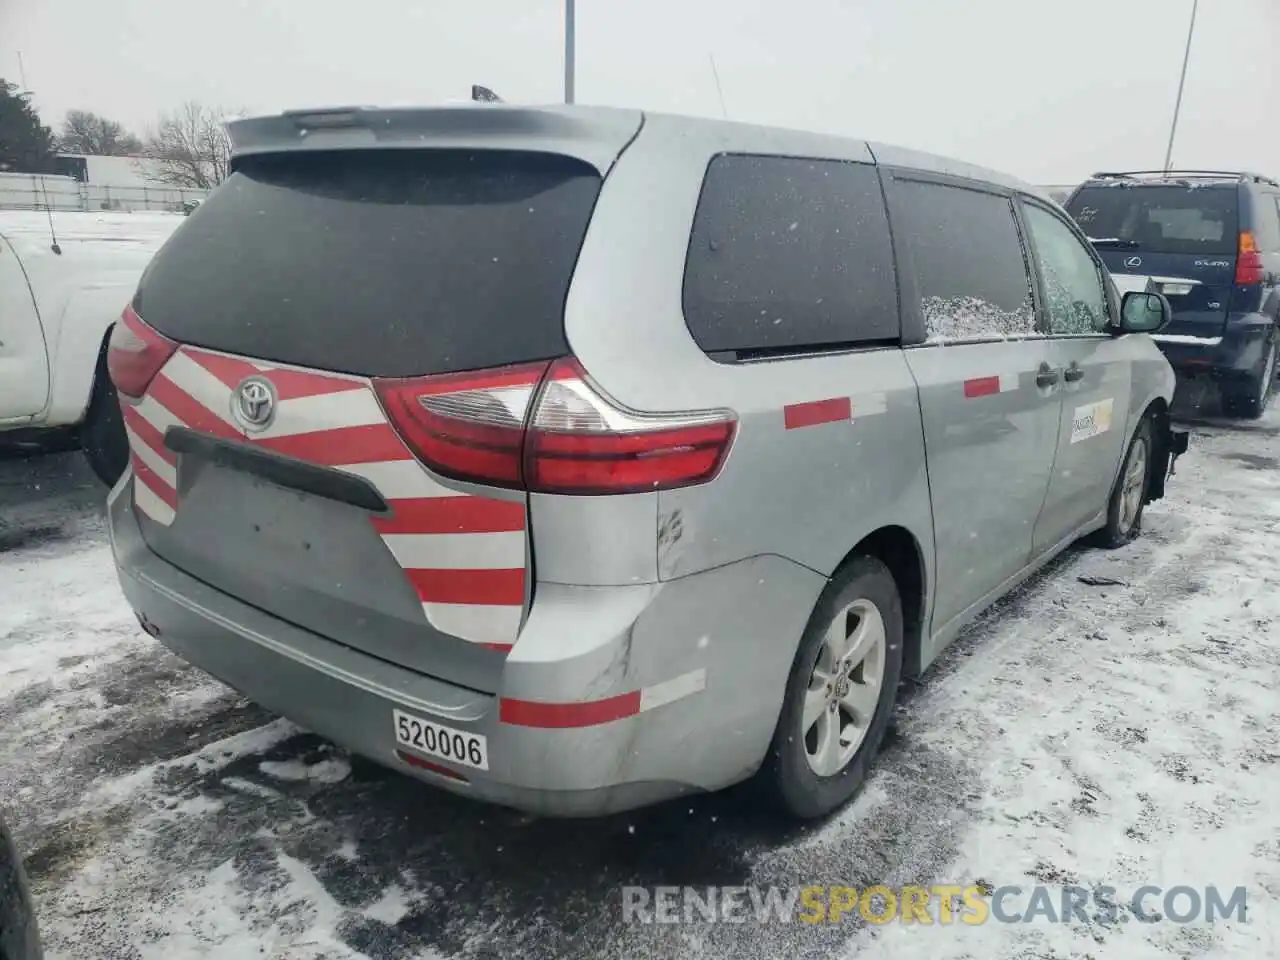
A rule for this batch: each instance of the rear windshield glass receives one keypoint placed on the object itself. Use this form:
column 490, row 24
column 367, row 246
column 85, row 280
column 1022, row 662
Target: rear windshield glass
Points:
column 392, row 263
column 1162, row 219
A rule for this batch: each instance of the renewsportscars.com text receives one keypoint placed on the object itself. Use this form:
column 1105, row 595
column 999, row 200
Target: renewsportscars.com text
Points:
column 972, row 904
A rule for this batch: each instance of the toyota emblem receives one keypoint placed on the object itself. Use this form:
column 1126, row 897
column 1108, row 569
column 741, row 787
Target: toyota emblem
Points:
column 254, row 403
column 1133, row 262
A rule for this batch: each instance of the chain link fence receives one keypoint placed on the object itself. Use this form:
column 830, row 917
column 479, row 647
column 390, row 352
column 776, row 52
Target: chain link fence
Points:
column 37, row 192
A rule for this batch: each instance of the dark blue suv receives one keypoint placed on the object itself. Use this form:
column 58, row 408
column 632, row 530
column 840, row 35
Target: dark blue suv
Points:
column 1210, row 242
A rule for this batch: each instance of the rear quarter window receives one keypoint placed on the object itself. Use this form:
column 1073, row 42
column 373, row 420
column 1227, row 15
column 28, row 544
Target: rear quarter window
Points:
column 789, row 254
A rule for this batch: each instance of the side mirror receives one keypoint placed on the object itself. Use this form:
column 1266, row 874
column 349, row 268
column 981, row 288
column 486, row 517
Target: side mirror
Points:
column 1144, row 312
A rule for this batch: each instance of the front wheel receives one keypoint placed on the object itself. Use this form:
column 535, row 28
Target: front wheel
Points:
column 1129, row 495
column 840, row 693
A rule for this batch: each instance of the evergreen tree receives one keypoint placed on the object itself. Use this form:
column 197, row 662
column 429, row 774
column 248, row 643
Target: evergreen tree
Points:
column 26, row 144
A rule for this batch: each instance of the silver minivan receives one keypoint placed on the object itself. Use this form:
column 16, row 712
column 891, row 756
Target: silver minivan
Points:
column 573, row 459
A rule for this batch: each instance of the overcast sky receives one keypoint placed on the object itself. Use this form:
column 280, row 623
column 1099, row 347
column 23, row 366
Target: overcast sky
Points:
column 1049, row 90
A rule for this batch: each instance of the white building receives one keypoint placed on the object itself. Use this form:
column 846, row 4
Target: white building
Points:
column 87, row 182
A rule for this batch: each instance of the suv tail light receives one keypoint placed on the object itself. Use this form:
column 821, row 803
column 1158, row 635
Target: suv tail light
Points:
column 545, row 428
column 135, row 354
column 1249, row 266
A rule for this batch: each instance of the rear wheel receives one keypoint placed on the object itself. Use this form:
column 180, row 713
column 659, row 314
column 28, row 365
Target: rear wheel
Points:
column 1129, row 495
column 840, row 693
column 105, row 444
column 1249, row 399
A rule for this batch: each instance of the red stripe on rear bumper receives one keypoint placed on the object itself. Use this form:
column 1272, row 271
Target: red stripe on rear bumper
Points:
column 817, row 411
column 981, row 387
column 532, row 713
column 452, row 515
column 439, row 768
column 487, row 587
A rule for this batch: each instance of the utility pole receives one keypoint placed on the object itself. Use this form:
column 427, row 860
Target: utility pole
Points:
column 568, row 50
column 1182, row 81
column 22, row 73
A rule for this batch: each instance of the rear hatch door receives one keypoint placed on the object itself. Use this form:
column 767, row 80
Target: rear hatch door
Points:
column 1177, row 239
column 299, row 281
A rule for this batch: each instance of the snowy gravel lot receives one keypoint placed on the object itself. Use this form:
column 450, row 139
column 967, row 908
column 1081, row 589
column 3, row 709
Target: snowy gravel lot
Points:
column 1122, row 734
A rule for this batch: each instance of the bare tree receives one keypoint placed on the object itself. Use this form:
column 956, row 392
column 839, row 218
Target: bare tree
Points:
column 190, row 147
column 85, row 132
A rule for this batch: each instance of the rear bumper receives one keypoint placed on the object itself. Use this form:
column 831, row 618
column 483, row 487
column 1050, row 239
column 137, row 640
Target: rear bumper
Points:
column 613, row 698
column 1237, row 352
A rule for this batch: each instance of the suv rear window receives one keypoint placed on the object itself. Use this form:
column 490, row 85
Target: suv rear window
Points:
column 387, row 263
column 1162, row 219
column 789, row 254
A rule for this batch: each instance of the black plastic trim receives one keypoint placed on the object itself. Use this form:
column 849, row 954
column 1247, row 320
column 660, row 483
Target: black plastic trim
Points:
column 278, row 469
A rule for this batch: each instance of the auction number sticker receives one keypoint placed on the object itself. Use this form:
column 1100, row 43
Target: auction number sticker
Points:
column 437, row 740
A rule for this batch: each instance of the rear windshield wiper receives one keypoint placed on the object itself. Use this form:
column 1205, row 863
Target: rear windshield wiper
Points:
column 1113, row 242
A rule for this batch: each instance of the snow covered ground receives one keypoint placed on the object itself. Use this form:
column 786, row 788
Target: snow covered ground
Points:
column 1121, row 734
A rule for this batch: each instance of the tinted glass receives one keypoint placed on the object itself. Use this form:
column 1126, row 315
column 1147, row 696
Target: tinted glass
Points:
column 1076, row 299
column 1267, row 222
column 789, row 254
column 382, row 264
column 970, row 268
column 1162, row 219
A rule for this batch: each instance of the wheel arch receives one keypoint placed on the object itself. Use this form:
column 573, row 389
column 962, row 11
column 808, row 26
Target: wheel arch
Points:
column 899, row 549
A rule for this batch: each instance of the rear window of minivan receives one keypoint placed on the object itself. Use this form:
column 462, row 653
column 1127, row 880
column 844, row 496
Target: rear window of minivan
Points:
column 789, row 254
column 1161, row 218
column 378, row 263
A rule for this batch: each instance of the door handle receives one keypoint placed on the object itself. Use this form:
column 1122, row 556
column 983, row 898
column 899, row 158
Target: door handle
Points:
column 1047, row 376
column 1074, row 372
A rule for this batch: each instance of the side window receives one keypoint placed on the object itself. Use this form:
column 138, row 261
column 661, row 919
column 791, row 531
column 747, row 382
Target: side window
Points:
column 1076, row 298
column 970, row 268
column 1270, row 240
column 789, row 254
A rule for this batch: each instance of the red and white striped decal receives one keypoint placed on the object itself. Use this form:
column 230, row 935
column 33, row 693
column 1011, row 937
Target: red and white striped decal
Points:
column 463, row 555
column 986, row 386
column 590, row 713
column 811, row 413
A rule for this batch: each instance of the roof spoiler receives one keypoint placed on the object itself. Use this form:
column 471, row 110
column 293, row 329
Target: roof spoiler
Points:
column 591, row 134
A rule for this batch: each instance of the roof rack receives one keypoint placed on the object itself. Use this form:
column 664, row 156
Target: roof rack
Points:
column 1185, row 175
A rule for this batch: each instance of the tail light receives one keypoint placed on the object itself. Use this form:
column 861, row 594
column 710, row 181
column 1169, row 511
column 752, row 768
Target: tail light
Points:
column 469, row 426
column 135, row 354
column 578, row 442
column 1249, row 266
column 545, row 428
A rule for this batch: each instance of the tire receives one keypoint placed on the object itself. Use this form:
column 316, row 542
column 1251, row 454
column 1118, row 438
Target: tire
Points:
column 1124, row 517
column 800, row 778
column 1249, row 399
column 19, row 936
column 102, row 436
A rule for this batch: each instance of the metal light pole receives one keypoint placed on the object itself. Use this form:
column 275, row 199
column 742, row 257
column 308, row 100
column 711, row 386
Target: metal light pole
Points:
column 1182, row 81
column 568, row 50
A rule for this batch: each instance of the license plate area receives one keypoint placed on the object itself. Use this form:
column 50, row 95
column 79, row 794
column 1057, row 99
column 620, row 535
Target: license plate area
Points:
column 440, row 742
